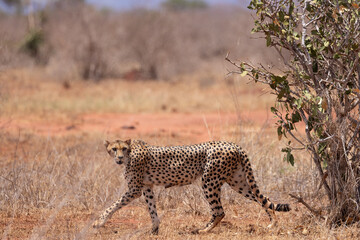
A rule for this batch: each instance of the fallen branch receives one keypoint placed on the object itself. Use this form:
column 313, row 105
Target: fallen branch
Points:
column 320, row 184
column 312, row 210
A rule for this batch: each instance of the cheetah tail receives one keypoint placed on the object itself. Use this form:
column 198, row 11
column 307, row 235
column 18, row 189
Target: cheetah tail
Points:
column 280, row 207
column 255, row 190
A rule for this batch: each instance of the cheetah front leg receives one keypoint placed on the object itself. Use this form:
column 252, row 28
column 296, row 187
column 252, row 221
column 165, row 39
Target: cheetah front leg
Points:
column 150, row 201
column 123, row 201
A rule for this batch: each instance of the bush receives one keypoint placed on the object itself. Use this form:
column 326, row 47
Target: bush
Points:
column 318, row 87
column 32, row 42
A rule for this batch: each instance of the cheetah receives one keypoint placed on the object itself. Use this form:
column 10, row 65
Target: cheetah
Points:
column 216, row 162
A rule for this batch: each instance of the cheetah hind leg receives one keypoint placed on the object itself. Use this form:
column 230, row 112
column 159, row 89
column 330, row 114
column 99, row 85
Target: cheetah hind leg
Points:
column 238, row 184
column 213, row 222
column 273, row 218
column 212, row 195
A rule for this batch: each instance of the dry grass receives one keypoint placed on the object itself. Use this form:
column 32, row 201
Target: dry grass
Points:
column 31, row 92
column 54, row 187
column 56, row 184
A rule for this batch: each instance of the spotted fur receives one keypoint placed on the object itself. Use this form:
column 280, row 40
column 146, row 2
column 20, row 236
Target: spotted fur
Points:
column 215, row 162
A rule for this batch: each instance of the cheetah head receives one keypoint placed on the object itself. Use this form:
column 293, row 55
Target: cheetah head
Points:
column 119, row 150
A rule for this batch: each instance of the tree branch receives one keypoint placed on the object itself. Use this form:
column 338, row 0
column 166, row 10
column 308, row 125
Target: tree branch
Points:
column 312, row 210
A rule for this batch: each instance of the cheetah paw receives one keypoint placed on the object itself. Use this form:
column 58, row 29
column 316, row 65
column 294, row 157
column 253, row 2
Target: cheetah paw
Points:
column 272, row 225
column 155, row 231
column 98, row 224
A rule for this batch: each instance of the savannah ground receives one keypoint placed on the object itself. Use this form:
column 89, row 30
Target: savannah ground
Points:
column 56, row 177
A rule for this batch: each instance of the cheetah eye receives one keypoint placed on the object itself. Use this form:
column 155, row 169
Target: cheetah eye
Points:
column 124, row 148
column 114, row 149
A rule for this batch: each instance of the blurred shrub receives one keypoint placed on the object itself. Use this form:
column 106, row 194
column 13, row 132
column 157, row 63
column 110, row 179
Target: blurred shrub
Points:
column 184, row 4
column 12, row 31
column 83, row 37
column 32, row 42
column 152, row 41
column 79, row 41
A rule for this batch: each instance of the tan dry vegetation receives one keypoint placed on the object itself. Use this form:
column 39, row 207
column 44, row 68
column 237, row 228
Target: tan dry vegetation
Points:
column 55, row 177
column 202, row 92
column 52, row 186
column 80, row 41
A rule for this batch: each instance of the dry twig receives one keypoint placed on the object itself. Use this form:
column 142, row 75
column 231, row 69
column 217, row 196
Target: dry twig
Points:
column 312, row 210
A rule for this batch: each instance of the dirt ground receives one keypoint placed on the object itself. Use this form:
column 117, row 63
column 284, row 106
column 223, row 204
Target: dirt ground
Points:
column 192, row 127
column 185, row 125
column 55, row 177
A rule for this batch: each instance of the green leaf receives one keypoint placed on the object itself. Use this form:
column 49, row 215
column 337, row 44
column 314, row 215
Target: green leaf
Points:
column 281, row 94
column 296, row 36
column 307, row 95
column 322, row 147
column 291, row 8
column 281, row 16
column 268, row 40
column 314, row 32
column 273, row 110
column 295, row 117
column 244, row 73
column 290, row 158
column 279, row 130
column 315, row 67
column 298, row 103
column 319, row 131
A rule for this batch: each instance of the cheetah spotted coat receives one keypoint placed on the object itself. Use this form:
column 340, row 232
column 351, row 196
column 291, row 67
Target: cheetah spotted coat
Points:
column 215, row 162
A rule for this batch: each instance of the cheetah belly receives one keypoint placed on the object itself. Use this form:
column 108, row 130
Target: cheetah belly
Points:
column 171, row 173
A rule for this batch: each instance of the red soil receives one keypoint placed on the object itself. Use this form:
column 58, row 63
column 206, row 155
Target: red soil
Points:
column 190, row 126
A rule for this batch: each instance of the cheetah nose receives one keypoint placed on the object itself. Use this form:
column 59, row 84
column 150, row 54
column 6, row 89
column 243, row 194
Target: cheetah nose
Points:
column 119, row 160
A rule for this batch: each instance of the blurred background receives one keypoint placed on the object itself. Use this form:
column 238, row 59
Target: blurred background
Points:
column 94, row 40
column 76, row 72
column 60, row 60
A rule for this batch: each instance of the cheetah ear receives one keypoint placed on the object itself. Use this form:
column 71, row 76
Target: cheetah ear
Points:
column 128, row 142
column 106, row 143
